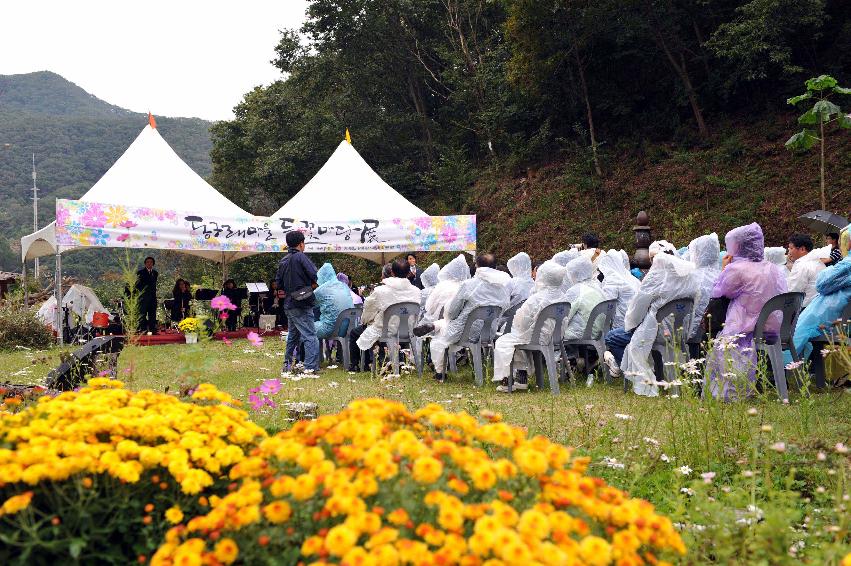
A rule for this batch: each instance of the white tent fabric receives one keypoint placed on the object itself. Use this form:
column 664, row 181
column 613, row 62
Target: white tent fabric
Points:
column 148, row 174
column 81, row 300
column 347, row 188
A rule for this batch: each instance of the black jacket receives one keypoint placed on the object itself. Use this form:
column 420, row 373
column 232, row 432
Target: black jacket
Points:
column 295, row 272
column 146, row 284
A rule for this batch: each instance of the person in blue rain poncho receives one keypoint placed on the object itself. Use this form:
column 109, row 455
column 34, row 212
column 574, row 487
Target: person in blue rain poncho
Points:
column 834, row 292
column 332, row 298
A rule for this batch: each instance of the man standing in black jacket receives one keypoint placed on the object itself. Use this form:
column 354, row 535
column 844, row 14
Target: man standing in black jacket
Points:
column 146, row 289
column 296, row 279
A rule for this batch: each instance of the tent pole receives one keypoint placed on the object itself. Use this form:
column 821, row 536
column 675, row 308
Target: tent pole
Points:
column 58, row 294
column 224, row 270
column 24, row 283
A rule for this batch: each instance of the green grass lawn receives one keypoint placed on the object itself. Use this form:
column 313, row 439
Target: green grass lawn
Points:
column 750, row 482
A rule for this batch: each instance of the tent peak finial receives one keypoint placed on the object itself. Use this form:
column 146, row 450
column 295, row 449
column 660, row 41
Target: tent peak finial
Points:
column 152, row 121
column 348, row 137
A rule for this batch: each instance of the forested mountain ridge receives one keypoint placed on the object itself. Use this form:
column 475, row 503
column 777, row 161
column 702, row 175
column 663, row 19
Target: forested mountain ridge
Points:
column 76, row 137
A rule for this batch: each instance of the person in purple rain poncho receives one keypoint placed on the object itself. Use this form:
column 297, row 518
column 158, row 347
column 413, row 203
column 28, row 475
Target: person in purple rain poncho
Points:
column 749, row 282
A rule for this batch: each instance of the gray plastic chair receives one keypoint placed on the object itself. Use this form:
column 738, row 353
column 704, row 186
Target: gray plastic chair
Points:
column 605, row 309
column 789, row 305
column 666, row 346
column 830, row 336
column 557, row 312
column 508, row 317
column 353, row 316
column 406, row 313
column 487, row 314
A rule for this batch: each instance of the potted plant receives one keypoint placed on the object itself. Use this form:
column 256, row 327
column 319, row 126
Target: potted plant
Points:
column 190, row 327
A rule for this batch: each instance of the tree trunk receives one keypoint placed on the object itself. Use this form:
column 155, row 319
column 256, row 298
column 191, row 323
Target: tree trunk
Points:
column 584, row 85
column 417, row 99
column 821, row 167
column 682, row 71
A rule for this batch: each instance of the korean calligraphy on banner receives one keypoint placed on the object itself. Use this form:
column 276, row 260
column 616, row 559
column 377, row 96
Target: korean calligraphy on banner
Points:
column 90, row 224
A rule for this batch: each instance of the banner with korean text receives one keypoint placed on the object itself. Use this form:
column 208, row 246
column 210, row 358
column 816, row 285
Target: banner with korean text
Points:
column 90, row 224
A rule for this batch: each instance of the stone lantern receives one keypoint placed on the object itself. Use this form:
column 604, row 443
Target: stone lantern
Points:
column 641, row 259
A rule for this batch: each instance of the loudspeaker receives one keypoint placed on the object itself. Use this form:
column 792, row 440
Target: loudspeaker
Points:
column 72, row 372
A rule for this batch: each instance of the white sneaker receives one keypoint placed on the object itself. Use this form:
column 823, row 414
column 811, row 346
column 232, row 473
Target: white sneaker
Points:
column 612, row 364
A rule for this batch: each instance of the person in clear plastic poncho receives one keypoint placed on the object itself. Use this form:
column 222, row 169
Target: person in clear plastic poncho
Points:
column 547, row 291
column 749, row 282
column 563, row 258
column 703, row 253
column 487, row 288
column 669, row 278
column 834, row 292
column 776, row 255
column 521, row 284
column 583, row 295
column 618, row 283
column 332, row 298
column 449, row 280
column 429, row 281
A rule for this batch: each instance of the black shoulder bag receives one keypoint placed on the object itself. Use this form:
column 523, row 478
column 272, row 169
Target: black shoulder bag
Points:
column 302, row 293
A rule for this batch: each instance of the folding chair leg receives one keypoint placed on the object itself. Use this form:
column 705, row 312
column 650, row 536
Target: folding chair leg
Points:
column 478, row 370
column 451, row 362
column 420, row 360
column 347, row 355
column 539, row 369
column 601, row 350
column 549, row 357
column 393, row 351
column 775, row 355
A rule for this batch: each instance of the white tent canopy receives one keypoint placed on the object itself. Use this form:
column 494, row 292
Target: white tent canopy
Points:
column 148, row 174
column 345, row 188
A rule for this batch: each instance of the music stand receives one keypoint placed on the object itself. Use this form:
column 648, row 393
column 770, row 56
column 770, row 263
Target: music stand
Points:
column 205, row 294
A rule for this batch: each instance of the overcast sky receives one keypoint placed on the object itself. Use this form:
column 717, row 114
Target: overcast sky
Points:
column 172, row 58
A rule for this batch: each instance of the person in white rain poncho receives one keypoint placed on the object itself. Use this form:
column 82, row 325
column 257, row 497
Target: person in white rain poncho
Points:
column 583, row 295
column 669, row 278
column 394, row 289
column 521, row 284
column 806, row 266
column 429, row 280
column 487, row 288
column 547, row 291
column 618, row 283
column 449, row 280
column 703, row 253
column 775, row 255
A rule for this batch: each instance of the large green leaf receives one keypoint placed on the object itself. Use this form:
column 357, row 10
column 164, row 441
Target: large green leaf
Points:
column 844, row 121
column 841, row 90
column 820, row 83
column 802, row 141
column 826, row 109
column 808, row 118
column 799, row 98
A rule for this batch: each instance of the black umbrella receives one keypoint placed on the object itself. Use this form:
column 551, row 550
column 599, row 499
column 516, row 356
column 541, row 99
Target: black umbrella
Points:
column 823, row 222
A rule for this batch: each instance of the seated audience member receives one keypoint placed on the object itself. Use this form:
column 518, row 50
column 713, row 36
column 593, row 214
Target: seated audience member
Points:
column 832, row 239
column 394, row 289
column 535, row 267
column 547, row 291
column 521, row 284
column 669, row 278
column 776, row 255
column 748, row 281
column 618, row 283
column 231, row 292
column 344, row 279
column 182, row 297
column 429, row 280
column 834, row 292
column 449, row 280
column 805, row 267
column 332, row 298
column 486, row 288
column 583, row 295
column 563, row 258
column 661, row 246
column 703, row 253
column 591, row 248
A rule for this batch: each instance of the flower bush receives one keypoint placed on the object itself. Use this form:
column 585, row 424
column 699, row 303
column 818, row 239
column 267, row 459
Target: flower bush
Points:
column 189, row 325
column 19, row 327
column 99, row 474
column 376, row 484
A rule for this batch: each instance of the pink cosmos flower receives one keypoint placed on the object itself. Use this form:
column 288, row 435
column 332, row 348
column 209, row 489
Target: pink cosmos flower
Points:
column 226, row 341
column 270, row 386
column 222, row 303
column 255, row 339
column 223, row 315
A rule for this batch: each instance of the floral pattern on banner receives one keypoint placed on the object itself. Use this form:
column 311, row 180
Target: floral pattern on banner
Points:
column 87, row 224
